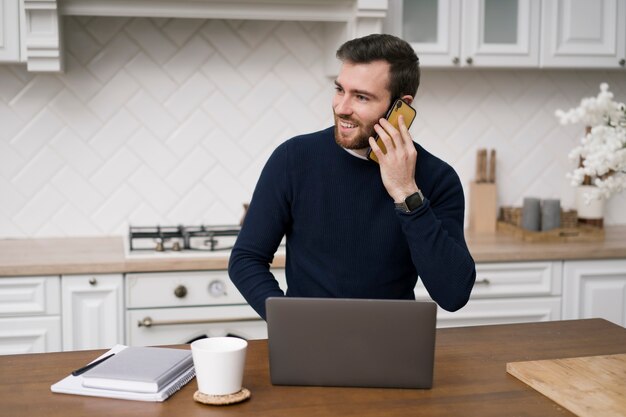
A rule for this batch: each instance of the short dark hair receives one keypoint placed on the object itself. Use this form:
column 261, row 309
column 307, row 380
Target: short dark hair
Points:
column 404, row 71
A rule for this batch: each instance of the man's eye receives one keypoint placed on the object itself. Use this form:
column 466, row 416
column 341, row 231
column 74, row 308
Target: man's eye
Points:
column 362, row 98
column 338, row 89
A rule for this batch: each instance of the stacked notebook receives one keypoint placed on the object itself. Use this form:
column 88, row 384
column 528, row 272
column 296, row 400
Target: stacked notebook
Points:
column 133, row 373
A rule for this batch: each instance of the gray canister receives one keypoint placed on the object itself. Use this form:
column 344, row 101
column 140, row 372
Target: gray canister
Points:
column 550, row 214
column 531, row 214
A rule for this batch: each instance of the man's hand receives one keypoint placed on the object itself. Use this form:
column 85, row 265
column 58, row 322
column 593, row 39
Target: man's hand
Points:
column 397, row 166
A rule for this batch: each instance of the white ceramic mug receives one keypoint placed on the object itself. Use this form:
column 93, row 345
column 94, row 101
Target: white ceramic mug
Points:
column 219, row 363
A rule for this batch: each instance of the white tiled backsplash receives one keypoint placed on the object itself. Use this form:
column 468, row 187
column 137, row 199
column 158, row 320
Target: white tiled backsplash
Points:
column 168, row 121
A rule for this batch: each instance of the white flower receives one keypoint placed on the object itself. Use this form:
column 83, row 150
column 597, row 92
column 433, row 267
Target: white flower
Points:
column 602, row 150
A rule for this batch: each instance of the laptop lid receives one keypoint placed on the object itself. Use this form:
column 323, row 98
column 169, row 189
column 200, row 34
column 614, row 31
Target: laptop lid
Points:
column 351, row 342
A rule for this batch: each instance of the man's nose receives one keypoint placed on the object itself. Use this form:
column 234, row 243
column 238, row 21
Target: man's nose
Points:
column 342, row 106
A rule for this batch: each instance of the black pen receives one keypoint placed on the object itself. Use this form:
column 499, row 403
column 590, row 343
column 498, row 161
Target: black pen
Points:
column 87, row 367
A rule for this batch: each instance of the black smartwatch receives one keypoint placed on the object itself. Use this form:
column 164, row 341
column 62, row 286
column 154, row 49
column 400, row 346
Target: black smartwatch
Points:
column 410, row 203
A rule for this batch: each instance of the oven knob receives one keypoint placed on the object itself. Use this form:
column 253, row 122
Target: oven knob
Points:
column 180, row 291
column 217, row 288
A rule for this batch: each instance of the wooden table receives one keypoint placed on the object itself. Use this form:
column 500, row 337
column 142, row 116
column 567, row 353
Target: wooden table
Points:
column 470, row 380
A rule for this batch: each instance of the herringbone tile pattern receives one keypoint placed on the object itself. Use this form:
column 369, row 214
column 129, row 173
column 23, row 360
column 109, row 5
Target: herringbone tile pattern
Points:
column 170, row 121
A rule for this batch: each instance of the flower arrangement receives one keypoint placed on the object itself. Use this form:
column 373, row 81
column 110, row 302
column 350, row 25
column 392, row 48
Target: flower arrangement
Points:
column 601, row 154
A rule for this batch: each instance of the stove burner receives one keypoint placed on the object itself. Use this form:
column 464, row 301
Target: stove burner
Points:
column 182, row 238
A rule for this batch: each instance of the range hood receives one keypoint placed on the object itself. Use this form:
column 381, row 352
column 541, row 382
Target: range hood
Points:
column 345, row 19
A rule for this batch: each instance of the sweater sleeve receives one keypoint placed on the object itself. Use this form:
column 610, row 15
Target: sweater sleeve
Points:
column 264, row 226
column 437, row 244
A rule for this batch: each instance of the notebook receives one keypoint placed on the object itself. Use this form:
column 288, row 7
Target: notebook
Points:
column 351, row 342
column 139, row 369
column 74, row 385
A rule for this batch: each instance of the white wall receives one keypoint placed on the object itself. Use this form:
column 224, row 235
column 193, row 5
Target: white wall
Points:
column 169, row 121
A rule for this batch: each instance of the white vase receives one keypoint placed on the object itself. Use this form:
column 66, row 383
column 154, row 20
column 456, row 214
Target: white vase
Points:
column 592, row 210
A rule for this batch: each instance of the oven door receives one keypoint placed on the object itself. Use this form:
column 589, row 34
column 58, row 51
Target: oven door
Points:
column 166, row 326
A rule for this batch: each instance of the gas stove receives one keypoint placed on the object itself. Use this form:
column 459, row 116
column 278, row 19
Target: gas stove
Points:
column 178, row 239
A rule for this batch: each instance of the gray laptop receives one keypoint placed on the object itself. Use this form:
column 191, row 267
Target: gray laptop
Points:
column 351, row 342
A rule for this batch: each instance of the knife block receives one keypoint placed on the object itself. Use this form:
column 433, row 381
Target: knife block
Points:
column 483, row 207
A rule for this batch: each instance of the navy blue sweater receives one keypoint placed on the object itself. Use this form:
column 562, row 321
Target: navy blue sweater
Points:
column 344, row 236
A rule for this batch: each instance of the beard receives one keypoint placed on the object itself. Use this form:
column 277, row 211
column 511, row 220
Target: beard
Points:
column 358, row 138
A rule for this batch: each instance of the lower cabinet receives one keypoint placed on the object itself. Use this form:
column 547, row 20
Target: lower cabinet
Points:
column 595, row 289
column 30, row 314
column 507, row 292
column 93, row 308
column 52, row 313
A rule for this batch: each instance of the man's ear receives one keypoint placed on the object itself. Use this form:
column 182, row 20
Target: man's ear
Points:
column 408, row 99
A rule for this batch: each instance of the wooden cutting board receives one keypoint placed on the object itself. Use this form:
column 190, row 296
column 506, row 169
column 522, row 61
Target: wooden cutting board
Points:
column 588, row 386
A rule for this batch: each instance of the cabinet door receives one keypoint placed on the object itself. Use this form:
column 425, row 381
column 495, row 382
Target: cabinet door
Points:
column 432, row 27
column 500, row 33
column 595, row 289
column 584, row 34
column 92, row 311
column 9, row 31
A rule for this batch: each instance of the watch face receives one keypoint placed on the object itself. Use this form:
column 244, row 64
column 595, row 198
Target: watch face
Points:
column 413, row 201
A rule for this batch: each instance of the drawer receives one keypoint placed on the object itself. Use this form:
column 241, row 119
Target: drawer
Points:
column 180, row 325
column 502, row 311
column 184, row 289
column 30, row 296
column 512, row 279
column 30, row 335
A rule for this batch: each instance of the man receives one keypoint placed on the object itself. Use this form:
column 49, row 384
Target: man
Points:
column 345, row 236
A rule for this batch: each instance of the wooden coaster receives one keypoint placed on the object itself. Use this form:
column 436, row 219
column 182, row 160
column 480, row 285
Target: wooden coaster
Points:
column 235, row 398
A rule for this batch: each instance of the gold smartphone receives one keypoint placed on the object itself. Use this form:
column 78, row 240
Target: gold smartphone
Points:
column 399, row 107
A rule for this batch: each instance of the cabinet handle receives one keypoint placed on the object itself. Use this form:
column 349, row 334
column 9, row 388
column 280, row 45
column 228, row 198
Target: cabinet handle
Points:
column 148, row 322
column 456, row 60
column 484, row 281
column 469, row 60
column 622, row 62
column 93, row 281
column 180, row 291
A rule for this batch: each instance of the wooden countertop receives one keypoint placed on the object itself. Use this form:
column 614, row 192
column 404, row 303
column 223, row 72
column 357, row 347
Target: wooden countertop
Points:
column 470, row 379
column 55, row 256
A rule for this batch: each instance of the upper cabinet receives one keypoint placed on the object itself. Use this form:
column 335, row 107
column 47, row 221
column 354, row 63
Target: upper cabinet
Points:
column 500, row 33
column 585, row 34
column 9, row 31
column 433, row 27
column 486, row 33
column 506, row 33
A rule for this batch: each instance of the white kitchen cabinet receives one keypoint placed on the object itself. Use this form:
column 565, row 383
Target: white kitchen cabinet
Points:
column 482, row 33
column 92, row 311
column 584, row 34
column 507, row 292
column 9, row 31
column 30, row 320
column 595, row 289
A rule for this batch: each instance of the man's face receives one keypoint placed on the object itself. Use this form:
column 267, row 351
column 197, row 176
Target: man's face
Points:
column 360, row 100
